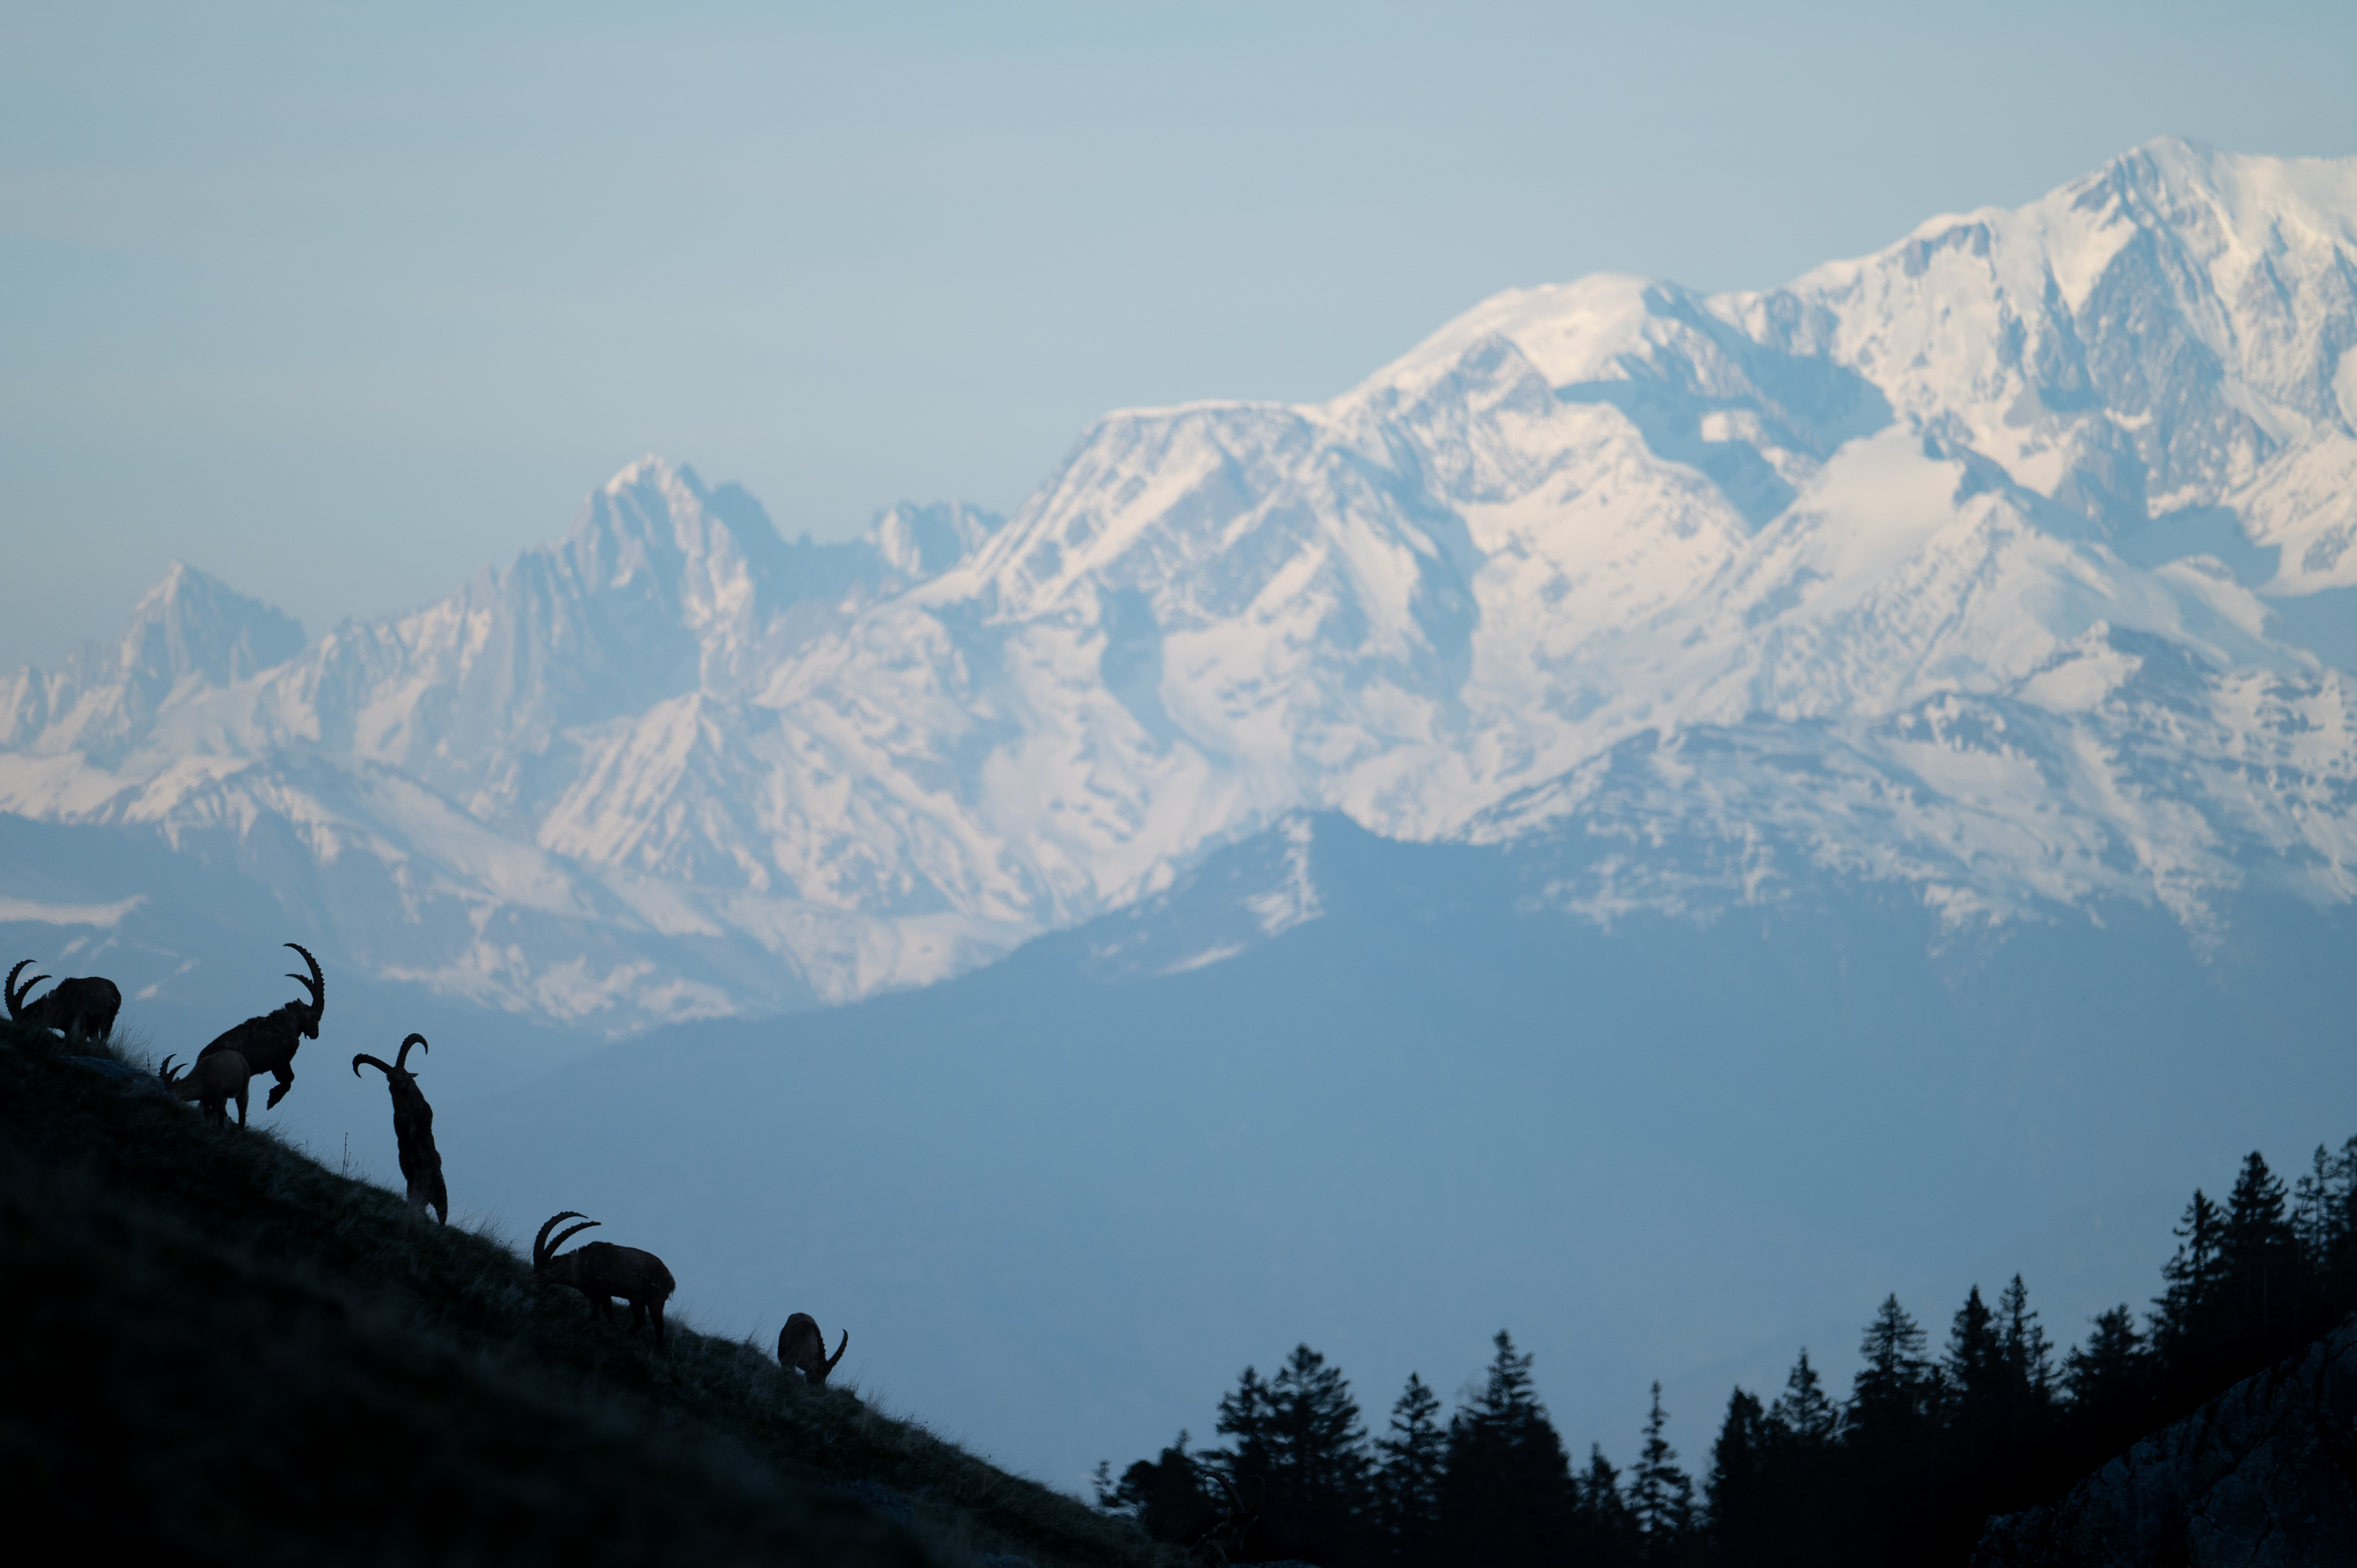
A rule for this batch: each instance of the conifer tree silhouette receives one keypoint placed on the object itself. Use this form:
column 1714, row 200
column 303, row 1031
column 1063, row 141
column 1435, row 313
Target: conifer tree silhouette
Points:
column 2185, row 1324
column 1741, row 1508
column 2107, row 1372
column 2259, row 1257
column 1661, row 1495
column 1407, row 1478
column 1891, row 1436
column 1603, row 1531
column 1505, row 1490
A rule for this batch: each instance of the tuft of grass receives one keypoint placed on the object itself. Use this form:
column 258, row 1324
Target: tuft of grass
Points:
column 230, row 1351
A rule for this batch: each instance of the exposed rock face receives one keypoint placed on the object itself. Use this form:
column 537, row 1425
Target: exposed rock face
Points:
column 2265, row 1473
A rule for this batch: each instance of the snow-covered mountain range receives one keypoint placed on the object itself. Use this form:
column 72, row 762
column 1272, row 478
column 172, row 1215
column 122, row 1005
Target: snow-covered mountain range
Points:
column 2013, row 567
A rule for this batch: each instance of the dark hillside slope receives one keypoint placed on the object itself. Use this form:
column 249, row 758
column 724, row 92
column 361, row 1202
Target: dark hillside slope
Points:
column 220, row 1350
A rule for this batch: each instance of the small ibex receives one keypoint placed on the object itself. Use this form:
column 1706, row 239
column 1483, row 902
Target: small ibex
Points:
column 602, row 1270
column 268, row 1043
column 412, row 1131
column 1230, row 1539
column 212, row 1083
column 85, row 1004
column 802, row 1347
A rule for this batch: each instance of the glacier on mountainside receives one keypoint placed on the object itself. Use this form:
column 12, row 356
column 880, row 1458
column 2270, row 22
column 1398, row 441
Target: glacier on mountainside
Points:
column 1994, row 566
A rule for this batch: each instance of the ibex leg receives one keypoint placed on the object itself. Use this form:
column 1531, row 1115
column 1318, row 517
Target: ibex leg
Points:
column 285, row 1076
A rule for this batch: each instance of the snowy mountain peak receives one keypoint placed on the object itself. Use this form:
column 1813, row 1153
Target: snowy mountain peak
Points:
column 191, row 627
column 2007, row 566
column 920, row 542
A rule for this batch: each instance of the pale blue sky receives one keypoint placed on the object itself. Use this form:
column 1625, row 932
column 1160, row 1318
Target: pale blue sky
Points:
column 340, row 303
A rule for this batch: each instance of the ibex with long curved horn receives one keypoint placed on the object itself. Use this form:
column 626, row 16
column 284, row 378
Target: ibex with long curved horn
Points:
column 212, row 1083
column 85, row 1004
column 802, row 1347
column 601, row 1271
column 269, row 1043
column 412, row 1131
column 1230, row 1539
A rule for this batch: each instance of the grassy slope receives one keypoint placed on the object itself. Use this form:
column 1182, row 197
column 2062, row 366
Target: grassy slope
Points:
column 218, row 1347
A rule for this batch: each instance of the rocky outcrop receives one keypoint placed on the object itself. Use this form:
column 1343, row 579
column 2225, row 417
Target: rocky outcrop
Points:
column 2265, row 1473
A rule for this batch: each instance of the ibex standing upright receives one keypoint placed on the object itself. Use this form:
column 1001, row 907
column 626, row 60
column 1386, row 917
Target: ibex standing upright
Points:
column 802, row 1347
column 269, row 1043
column 412, row 1131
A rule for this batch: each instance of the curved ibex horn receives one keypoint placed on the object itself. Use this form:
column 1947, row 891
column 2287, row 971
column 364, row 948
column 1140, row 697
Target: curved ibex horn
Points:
column 543, row 1249
column 402, row 1061
column 365, row 1057
column 316, row 984
column 165, row 1072
column 838, row 1349
column 16, row 993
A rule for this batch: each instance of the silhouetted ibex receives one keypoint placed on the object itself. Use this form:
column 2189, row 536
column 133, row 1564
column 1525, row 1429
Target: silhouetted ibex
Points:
column 412, row 1131
column 802, row 1347
column 602, row 1270
column 85, row 1005
column 269, row 1043
column 1229, row 1541
column 212, row 1083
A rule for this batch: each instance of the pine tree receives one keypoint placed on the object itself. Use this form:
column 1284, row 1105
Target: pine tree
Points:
column 1248, row 1418
column 2335, row 1267
column 2324, row 1225
column 2107, row 1374
column 1896, row 1387
column 1300, row 1434
column 2184, row 1327
column 1803, row 1413
column 2259, row 1259
column 1604, row 1529
column 1892, row 1437
column 1407, row 1480
column 1169, row 1495
column 1661, row 1495
column 2027, row 1358
column 1505, row 1489
column 1741, row 1513
column 1973, row 1359
column 1802, row 1480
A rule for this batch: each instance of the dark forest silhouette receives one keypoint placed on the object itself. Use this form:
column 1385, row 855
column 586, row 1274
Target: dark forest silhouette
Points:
column 1907, row 1468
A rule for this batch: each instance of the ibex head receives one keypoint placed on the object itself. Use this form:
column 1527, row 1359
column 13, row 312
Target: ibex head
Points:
column 398, row 1071
column 544, row 1250
column 317, row 986
column 803, row 1346
column 16, row 993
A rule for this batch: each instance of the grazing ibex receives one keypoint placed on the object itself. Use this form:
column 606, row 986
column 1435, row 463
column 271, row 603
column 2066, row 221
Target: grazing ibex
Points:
column 601, row 1271
column 84, row 1006
column 802, row 1347
column 269, row 1042
column 212, row 1083
column 1230, row 1539
column 412, row 1131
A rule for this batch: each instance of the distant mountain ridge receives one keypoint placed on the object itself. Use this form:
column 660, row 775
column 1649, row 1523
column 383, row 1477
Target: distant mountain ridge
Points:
column 2008, row 567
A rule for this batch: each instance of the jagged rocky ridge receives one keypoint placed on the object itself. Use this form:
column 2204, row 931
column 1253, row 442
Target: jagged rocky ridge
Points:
column 2007, row 566
column 2266, row 1473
